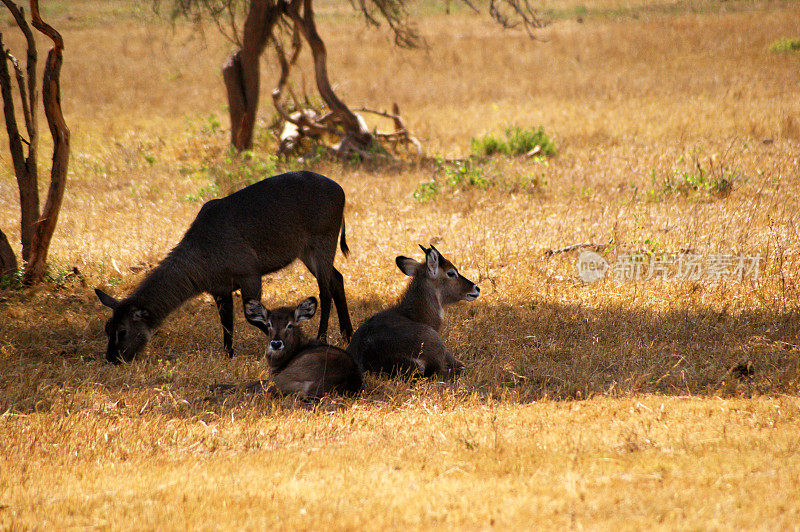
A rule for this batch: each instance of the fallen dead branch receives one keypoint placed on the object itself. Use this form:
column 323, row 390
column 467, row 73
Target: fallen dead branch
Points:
column 585, row 245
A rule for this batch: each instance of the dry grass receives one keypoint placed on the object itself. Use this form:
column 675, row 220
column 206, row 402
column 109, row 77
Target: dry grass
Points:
column 606, row 406
column 433, row 461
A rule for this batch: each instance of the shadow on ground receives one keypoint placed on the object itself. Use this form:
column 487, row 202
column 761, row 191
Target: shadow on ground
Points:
column 52, row 346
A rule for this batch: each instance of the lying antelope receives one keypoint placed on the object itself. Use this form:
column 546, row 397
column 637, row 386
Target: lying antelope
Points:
column 309, row 370
column 405, row 338
column 229, row 246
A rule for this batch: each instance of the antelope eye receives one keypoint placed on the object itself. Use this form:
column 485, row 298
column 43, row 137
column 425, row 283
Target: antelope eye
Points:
column 269, row 324
column 451, row 273
column 289, row 325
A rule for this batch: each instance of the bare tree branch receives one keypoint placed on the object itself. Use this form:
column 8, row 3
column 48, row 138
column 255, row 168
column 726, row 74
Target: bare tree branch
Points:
column 23, row 96
column 234, row 25
column 471, row 6
column 36, row 230
column 51, row 97
column 521, row 13
column 44, row 27
column 233, row 36
column 14, row 138
column 395, row 14
column 352, row 126
column 25, row 168
column 276, row 20
column 401, row 133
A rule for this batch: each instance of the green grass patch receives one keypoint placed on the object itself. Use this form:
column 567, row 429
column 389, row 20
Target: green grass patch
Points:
column 11, row 280
column 455, row 175
column 703, row 179
column 232, row 172
column 488, row 145
column 785, row 44
column 467, row 174
column 518, row 141
column 426, row 191
column 482, row 175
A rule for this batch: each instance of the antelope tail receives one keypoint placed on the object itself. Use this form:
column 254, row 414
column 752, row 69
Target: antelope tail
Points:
column 343, row 241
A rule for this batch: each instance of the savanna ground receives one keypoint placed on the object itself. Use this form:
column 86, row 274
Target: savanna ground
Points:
column 668, row 404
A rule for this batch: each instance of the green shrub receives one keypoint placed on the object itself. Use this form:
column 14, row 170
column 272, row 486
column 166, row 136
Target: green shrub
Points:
column 700, row 181
column 461, row 175
column 488, row 145
column 426, row 191
column 785, row 44
column 522, row 141
column 466, row 173
column 519, row 141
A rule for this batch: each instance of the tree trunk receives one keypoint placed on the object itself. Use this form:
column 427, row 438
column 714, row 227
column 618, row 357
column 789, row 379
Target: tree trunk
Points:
column 354, row 128
column 241, row 73
column 8, row 261
column 232, row 76
column 24, row 169
column 51, row 97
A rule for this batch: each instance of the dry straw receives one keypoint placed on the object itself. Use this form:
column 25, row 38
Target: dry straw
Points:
column 639, row 101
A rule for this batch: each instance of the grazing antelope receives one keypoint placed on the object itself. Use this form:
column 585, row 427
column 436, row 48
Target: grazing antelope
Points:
column 306, row 369
column 405, row 338
column 229, row 246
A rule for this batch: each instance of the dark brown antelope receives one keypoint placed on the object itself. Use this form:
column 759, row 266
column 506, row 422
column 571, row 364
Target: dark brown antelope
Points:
column 405, row 338
column 229, row 246
column 306, row 369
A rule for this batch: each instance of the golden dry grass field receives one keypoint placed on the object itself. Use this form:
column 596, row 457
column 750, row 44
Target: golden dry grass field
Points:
column 612, row 405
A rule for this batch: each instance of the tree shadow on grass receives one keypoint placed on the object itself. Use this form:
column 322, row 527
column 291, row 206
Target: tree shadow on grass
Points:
column 52, row 356
column 567, row 351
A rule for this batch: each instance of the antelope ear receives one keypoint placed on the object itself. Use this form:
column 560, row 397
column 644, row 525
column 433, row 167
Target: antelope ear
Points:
column 305, row 310
column 432, row 259
column 106, row 299
column 407, row 266
column 140, row 314
column 254, row 311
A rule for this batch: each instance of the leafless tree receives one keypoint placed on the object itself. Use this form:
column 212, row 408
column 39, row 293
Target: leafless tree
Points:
column 37, row 226
column 286, row 25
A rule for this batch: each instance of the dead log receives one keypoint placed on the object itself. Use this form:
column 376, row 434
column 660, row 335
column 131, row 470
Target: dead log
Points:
column 597, row 248
column 400, row 134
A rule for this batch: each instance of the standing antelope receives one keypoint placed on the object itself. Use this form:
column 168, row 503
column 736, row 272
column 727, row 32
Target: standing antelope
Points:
column 405, row 338
column 306, row 369
column 230, row 245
